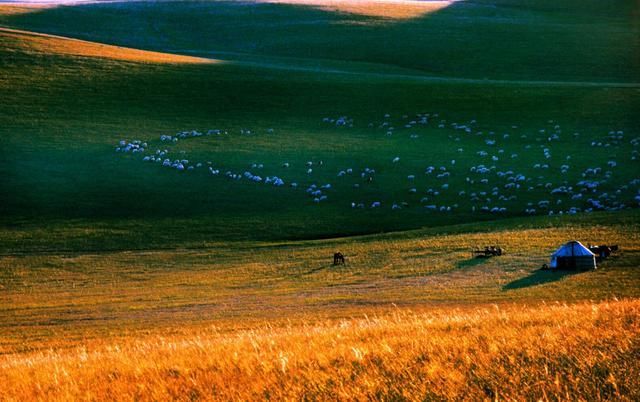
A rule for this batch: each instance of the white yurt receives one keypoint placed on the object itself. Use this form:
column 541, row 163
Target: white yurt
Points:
column 573, row 255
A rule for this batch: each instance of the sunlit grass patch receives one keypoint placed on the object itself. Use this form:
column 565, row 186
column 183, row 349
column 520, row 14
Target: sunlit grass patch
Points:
column 394, row 9
column 19, row 8
column 62, row 296
column 57, row 45
column 546, row 352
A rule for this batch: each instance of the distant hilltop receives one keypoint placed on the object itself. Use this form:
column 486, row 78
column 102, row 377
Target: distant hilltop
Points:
column 396, row 9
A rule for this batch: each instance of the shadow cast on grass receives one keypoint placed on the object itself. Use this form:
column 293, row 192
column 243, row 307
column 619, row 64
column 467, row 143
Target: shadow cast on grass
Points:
column 472, row 262
column 539, row 277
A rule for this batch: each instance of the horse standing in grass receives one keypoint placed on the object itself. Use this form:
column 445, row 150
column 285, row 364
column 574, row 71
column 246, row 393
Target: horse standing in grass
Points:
column 338, row 259
column 602, row 252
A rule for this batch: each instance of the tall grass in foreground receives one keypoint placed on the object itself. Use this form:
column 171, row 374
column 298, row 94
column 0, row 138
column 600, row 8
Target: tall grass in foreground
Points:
column 573, row 352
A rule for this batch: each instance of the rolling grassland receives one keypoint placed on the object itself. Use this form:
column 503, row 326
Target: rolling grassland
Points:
column 269, row 135
column 551, row 352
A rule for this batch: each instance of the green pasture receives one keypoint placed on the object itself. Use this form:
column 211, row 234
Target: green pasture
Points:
column 94, row 241
column 64, row 187
column 564, row 40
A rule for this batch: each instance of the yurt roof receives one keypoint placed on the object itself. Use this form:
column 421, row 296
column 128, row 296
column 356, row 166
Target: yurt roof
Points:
column 573, row 249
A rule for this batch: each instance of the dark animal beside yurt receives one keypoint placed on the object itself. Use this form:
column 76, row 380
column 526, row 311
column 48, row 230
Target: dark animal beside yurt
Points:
column 603, row 251
column 573, row 255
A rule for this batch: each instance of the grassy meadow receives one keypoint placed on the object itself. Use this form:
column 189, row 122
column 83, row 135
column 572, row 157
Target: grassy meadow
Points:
column 125, row 279
column 480, row 354
column 58, row 298
column 59, row 136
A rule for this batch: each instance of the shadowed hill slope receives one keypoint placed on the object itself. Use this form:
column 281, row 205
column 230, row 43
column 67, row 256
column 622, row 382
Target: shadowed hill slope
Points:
column 63, row 116
column 481, row 39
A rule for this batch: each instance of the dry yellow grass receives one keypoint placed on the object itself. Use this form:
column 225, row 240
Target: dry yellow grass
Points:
column 252, row 321
column 21, row 8
column 59, row 299
column 52, row 44
column 586, row 351
column 395, row 9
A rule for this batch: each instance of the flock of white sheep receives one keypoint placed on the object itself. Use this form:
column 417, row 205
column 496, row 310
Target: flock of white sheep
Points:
column 491, row 180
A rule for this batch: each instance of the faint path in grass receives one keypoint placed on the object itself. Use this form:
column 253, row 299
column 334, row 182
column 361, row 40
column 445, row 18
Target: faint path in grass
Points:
column 449, row 80
column 383, row 71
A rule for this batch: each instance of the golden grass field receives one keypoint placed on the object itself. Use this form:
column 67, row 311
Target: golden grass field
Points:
column 52, row 44
column 393, row 9
column 586, row 351
column 119, row 284
column 412, row 316
column 20, row 8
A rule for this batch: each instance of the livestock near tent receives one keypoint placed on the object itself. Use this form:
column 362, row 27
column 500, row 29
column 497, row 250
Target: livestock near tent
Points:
column 603, row 251
column 573, row 255
column 489, row 251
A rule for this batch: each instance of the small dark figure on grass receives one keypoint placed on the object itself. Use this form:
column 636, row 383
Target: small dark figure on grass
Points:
column 489, row 251
column 338, row 258
column 603, row 252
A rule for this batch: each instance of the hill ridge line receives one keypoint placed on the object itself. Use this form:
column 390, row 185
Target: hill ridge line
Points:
column 453, row 80
column 100, row 50
column 337, row 71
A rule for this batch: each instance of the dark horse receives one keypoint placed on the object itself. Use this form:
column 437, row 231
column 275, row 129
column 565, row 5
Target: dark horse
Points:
column 338, row 258
column 602, row 252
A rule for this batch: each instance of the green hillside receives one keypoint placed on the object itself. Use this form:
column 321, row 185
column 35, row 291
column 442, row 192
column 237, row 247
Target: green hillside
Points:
column 565, row 40
column 177, row 176
column 63, row 117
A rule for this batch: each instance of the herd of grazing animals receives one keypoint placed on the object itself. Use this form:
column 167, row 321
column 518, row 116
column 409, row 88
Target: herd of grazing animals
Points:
column 494, row 180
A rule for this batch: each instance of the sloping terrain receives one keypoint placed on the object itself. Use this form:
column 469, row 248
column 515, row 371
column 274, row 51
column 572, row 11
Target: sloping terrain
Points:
column 175, row 177
column 393, row 9
column 24, row 41
column 73, row 112
column 60, row 297
column 517, row 40
column 64, row 116
column 512, row 353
